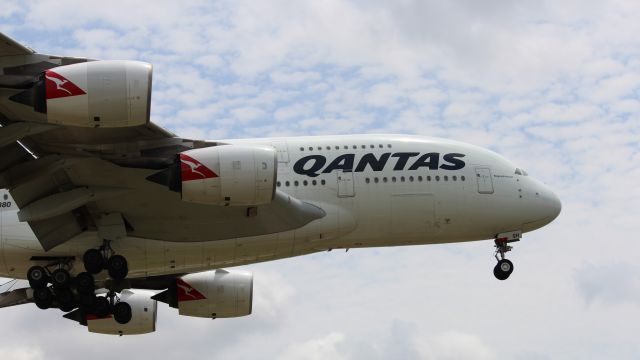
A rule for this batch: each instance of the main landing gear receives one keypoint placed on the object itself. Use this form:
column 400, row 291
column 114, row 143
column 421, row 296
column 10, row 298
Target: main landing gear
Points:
column 68, row 293
column 504, row 267
column 95, row 260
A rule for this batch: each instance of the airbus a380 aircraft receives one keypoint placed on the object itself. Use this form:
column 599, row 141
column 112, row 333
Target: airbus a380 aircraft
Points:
column 105, row 213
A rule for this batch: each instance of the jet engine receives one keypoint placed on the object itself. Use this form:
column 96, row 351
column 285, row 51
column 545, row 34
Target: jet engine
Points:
column 239, row 175
column 212, row 294
column 143, row 311
column 108, row 93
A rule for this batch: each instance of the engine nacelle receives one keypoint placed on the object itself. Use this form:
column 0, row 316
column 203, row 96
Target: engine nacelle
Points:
column 242, row 175
column 144, row 312
column 212, row 294
column 107, row 93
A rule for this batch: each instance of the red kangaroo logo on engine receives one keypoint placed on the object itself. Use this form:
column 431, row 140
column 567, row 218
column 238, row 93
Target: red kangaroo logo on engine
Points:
column 187, row 292
column 57, row 86
column 192, row 169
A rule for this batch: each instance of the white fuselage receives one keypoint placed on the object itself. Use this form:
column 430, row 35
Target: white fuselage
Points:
column 405, row 192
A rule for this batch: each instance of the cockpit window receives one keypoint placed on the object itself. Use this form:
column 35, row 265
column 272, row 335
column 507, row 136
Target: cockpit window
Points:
column 521, row 172
column 518, row 172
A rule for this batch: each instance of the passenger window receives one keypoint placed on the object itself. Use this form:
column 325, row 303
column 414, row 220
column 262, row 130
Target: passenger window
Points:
column 401, row 178
column 366, row 180
column 305, row 183
column 286, row 183
column 314, row 183
column 429, row 178
column 278, row 184
column 446, row 178
column 322, row 182
column 393, row 179
column 462, row 178
column 411, row 178
column 455, row 178
column 384, row 179
column 420, row 178
column 296, row 183
column 375, row 180
column 437, row 177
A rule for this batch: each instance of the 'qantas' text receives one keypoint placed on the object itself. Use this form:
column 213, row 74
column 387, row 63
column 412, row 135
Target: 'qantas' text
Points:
column 314, row 165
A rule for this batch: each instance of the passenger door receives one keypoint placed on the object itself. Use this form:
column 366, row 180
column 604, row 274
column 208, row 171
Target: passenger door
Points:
column 485, row 183
column 346, row 187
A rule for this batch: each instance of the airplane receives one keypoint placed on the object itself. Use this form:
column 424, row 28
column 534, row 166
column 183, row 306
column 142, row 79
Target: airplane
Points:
column 103, row 213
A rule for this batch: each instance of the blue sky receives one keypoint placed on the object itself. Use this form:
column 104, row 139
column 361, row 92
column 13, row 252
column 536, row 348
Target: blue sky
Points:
column 554, row 86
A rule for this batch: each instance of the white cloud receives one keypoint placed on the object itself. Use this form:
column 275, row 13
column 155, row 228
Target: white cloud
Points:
column 326, row 347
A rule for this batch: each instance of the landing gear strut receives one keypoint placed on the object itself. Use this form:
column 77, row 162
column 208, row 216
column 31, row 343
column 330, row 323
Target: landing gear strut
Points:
column 504, row 267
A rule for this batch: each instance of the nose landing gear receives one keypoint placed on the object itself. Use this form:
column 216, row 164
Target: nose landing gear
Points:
column 504, row 267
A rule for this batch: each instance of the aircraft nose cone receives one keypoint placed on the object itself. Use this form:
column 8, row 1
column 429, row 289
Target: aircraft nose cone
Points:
column 555, row 205
column 544, row 208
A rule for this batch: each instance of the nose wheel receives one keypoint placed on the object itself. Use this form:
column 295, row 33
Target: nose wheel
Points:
column 504, row 267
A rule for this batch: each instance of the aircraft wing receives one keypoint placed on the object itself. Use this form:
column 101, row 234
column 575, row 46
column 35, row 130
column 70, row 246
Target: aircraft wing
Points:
column 9, row 47
column 15, row 292
column 65, row 179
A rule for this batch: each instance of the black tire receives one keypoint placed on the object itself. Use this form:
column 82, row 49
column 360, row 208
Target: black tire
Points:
column 87, row 302
column 93, row 261
column 118, row 267
column 60, row 279
column 503, row 269
column 66, row 300
column 122, row 313
column 37, row 277
column 85, row 283
column 102, row 307
column 43, row 298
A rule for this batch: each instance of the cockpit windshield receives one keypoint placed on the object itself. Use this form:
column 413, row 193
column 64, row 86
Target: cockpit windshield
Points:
column 521, row 172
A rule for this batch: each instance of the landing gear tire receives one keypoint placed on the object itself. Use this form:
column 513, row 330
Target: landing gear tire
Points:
column 87, row 302
column 503, row 269
column 65, row 299
column 117, row 267
column 43, row 298
column 122, row 313
column 93, row 261
column 37, row 277
column 85, row 283
column 60, row 279
column 102, row 306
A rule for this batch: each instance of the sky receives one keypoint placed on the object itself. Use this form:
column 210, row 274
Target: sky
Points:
column 552, row 85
